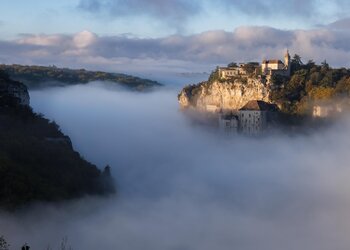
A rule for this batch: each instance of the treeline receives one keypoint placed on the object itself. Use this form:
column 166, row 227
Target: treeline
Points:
column 310, row 83
column 40, row 76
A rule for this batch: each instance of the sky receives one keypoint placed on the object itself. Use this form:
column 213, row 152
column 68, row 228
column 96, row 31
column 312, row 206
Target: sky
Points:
column 173, row 35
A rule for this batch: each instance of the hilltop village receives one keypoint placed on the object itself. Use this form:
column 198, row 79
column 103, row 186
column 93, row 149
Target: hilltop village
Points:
column 256, row 115
column 248, row 98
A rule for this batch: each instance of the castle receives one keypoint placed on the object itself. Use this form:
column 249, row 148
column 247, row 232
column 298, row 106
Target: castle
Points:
column 267, row 68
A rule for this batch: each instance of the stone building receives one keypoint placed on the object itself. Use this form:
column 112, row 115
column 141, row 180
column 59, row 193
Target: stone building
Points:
column 325, row 110
column 255, row 117
column 275, row 66
column 268, row 67
column 229, row 123
column 227, row 72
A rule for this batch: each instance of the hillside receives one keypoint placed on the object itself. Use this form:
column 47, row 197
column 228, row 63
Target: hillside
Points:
column 295, row 93
column 37, row 161
column 40, row 76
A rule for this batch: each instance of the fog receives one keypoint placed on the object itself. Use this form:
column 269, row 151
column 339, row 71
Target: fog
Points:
column 181, row 186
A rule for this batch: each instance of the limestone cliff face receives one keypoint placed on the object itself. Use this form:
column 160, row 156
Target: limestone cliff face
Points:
column 229, row 95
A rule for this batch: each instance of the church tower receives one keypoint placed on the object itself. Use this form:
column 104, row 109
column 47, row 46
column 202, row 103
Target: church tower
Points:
column 287, row 59
column 287, row 65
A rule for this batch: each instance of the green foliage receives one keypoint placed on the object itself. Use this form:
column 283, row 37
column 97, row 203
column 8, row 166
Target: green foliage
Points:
column 296, row 63
column 214, row 76
column 321, row 93
column 310, row 82
column 232, row 64
column 39, row 76
column 343, row 86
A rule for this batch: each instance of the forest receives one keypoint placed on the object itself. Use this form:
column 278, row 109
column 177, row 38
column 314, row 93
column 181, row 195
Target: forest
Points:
column 310, row 83
column 42, row 76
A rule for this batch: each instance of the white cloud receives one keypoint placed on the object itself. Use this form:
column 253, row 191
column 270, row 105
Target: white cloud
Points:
column 84, row 39
column 43, row 40
column 186, row 53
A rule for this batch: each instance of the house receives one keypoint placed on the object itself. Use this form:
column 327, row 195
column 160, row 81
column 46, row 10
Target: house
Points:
column 255, row 116
column 228, row 72
column 322, row 111
column 326, row 110
column 229, row 123
column 275, row 66
column 212, row 108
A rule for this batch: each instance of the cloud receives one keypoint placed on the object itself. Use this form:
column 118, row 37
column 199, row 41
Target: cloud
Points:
column 342, row 24
column 176, row 53
column 183, row 187
column 174, row 12
column 179, row 13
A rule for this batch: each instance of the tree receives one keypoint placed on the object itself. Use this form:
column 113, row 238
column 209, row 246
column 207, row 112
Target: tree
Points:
column 3, row 244
column 232, row 64
column 297, row 59
column 322, row 93
column 310, row 64
column 296, row 62
column 325, row 65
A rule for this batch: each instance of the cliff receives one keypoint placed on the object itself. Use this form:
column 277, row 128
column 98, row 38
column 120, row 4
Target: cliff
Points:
column 13, row 91
column 224, row 95
column 37, row 161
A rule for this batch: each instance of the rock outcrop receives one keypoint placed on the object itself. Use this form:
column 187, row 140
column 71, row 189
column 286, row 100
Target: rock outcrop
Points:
column 224, row 95
column 13, row 92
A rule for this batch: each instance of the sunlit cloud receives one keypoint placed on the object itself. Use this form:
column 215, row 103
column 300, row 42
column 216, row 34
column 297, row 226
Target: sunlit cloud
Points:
column 201, row 51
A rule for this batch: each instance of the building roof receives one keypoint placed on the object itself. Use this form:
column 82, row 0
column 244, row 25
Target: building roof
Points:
column 273, row 61
column 260, row 106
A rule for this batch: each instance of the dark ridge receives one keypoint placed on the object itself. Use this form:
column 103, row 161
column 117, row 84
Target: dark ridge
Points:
column 42, row 76
column 37, row 161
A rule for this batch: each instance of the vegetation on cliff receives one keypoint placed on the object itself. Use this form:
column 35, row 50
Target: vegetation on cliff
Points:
column 37, row 161
column 309, row 83
column 40, row 76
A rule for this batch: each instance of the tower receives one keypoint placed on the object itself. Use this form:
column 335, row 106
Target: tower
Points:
column 287, row 59
column 287, row 65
